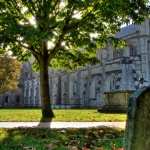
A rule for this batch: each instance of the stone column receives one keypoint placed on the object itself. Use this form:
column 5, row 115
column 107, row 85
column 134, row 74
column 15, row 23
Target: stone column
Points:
column 24, row 93
column 88, row 85
column 27, row 93
column 39, row 92
column 34, row 91
column 125, row 72
column 144, row 58
column 29, row 96
column 50, row 86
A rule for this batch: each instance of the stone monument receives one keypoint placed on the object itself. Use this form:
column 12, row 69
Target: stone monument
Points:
column 138, row 122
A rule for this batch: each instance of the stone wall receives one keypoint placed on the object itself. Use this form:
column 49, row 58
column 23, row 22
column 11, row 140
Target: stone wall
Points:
column 117, row 99
column 12, row 99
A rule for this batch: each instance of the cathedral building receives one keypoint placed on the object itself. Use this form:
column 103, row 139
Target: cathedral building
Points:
column 125, row 69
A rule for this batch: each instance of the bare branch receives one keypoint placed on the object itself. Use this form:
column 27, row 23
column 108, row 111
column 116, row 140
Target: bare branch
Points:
column 54, row 9
column 29, row 48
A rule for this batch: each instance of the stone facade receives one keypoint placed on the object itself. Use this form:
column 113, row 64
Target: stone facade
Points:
column 119, row 69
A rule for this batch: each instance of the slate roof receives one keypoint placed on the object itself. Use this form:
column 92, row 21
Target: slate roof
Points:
column 125, row 31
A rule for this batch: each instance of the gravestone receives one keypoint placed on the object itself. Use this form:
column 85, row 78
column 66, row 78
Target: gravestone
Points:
column 138, row 122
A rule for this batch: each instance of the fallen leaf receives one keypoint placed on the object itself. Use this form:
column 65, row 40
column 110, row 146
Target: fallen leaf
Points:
column 121, row 148
column 72, row 148
column 28, row 148
column 99, row 148
column 85, row 148
column 50, row 146
column 113, row 147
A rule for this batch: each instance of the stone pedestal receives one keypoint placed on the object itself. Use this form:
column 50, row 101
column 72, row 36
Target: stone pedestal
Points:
column 138, row 123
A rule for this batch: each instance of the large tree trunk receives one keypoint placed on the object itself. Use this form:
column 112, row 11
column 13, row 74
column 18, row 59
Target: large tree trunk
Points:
column 47, row 113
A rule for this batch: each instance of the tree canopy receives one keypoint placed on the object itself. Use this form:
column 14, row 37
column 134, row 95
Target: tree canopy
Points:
column 9, row 73
column 62, row 33
column 66, row 26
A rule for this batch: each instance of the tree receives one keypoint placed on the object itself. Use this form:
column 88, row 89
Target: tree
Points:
column 62, row 32
column 9, row 73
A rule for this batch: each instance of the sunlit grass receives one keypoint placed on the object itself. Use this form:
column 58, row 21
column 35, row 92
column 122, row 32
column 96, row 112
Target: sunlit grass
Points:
column 60, row 115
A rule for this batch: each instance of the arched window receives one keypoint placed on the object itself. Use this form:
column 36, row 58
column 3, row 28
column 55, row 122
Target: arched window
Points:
column 115, row 82
column 133, row 50
column 117, row 53
column 75, row 87
column 17, row 99
column 6, row 99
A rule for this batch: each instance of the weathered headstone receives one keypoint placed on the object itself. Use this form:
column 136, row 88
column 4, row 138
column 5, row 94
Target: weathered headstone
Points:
column 138, row 122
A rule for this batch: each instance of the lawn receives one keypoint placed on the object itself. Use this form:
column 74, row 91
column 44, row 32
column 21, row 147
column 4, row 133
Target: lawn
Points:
column 61, row 139
column 60, row 115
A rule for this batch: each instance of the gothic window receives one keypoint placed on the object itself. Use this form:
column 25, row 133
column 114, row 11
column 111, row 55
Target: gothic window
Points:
column 64, row 94
column 133, row 51
column 6, row 99
column 105, row 54
column 115, row 81
column 37, row 91
column 84, row 92
column 92, row 89
column 99, row 82
column 25, row 75
column 117, row 87
column 148, row 46
column 74, row 87
column 85, row 85
column 27, row 91
column 17, row 99
column 148, row 49
column 117, row 53
column 1, row 82
column 65, row 86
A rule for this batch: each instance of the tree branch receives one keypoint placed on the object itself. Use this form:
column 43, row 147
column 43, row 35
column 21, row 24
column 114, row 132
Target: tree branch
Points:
column 63, row 32
column 29, row 48
column 75, row 25
column 30, row 6
column 15, row 9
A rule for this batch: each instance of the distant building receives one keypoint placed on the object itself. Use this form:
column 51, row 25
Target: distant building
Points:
column 120, row 69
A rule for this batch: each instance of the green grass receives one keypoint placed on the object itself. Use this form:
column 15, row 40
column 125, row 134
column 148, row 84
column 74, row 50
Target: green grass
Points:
column 60, row 115
column 60, row 139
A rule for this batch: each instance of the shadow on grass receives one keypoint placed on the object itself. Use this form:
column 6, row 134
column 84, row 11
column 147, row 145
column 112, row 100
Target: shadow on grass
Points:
column 24, row 139
column 46, row 119
column 45, row 123
column 40, row 139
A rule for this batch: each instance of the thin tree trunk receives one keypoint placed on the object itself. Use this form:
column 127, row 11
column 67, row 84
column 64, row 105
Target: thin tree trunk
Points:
column 47, row 113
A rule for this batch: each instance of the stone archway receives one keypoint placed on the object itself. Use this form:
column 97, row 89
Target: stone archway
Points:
column 17, row 99
column 6, row 100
